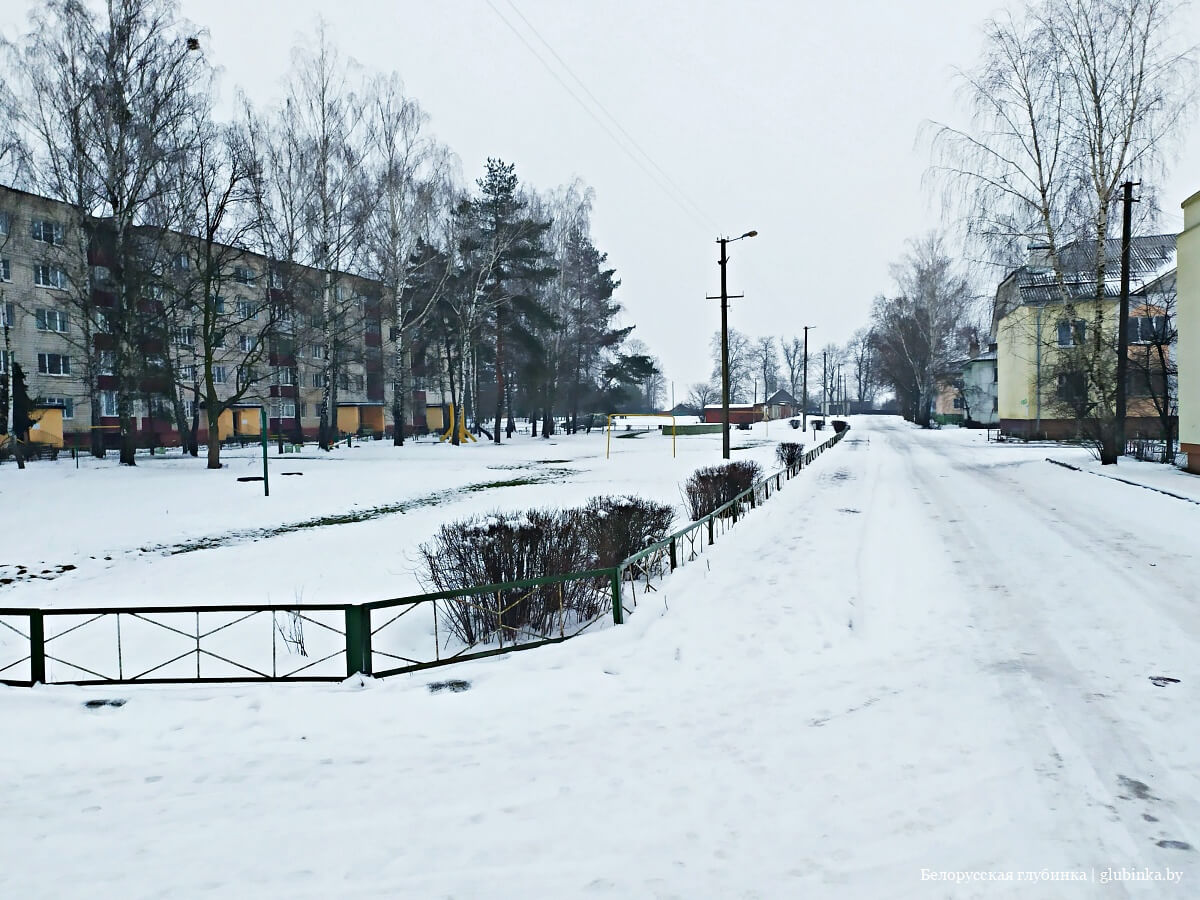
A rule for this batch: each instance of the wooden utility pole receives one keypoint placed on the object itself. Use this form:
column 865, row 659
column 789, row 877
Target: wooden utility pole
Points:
column 725, row 298
column 1123, row 316
column 804, row 383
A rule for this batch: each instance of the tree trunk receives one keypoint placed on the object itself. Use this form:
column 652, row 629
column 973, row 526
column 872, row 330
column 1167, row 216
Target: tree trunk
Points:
column 128, row 440
column 499, row 374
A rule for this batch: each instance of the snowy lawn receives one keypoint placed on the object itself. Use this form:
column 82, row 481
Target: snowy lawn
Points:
column 920, row 655
column 122, row 529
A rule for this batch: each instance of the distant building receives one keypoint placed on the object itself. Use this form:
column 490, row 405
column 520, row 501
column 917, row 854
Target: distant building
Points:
column 43, row 265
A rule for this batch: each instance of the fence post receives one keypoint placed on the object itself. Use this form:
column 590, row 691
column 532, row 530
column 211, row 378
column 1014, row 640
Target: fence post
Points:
column 710, row 529
column 674, row 562
column 37, row 647
column 753, row 492
column 618, row 611
column 358, row 640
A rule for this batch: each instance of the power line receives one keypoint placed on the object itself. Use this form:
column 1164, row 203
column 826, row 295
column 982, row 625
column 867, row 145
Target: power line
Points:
column 700, row 219
column 683, row 194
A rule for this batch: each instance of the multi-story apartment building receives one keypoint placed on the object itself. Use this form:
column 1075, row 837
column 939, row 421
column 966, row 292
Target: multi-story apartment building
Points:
column 266, row 326
column 1032, row 331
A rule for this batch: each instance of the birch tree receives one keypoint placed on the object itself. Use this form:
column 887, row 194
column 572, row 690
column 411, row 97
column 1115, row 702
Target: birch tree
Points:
column 1073, row 98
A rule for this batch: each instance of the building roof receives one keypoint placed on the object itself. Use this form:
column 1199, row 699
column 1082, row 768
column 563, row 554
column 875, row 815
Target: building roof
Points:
column 1150, row 258
column 780, row 397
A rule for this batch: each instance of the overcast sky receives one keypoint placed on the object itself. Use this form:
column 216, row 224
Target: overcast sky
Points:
column 798, row 119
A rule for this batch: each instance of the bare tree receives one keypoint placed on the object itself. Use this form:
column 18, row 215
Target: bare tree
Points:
column 793, row 363
column 860, row 352
column 415, row 196
column 330, row 138
column 916, row 334
column 766, row 365
column 702, row 394
column 1073, row 98
column 741, row 364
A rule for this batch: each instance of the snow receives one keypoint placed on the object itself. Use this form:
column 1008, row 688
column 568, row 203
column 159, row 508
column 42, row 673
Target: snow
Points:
column 926, row 652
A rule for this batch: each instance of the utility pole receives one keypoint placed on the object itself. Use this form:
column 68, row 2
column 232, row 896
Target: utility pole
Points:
column 824, row 385
column 804, row 383
column 1123, row 317
column 725, row 298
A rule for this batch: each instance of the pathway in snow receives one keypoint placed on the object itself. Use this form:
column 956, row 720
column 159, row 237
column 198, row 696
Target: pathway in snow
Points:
column 921, row 654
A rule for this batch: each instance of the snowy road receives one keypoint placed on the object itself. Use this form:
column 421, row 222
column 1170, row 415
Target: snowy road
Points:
column 925, row 653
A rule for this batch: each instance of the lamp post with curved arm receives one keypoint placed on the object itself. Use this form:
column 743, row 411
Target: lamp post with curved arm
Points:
column 725, row 342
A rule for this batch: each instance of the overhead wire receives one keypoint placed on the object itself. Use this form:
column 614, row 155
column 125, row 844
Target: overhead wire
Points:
column 668, row 187
column 666, row 177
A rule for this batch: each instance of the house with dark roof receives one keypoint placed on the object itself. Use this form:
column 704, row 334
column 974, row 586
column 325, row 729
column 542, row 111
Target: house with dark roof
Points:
column 1039, row 318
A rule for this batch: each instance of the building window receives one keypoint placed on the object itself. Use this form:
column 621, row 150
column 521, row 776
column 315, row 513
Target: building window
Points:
column 995, row 404
column 350, row 382
column 51, row 320
column 1071, row 334
column 1148, row 330
column 54, row 364
column 8, row 316
column 247, row 342
column 5, row 270
column 184, row 336
column 246, row 375
column 49, row 276
column 46, row 232
column 108, row 403
column 1072, row 387
column 246, row 309
column 67, row 404
column 995, row 373
column 318, row 379
column 181, row 262
column 285, row 409
column 3, row 362
column 151, row 291
column 4, row 223
column 372, row 326
column 276, row 281
column 187, row 373
column 108, row 362
column 283, row 375
column 219, row 305
column 958, row 402
column 218, row 374
column 318, row 351
column 243, row 275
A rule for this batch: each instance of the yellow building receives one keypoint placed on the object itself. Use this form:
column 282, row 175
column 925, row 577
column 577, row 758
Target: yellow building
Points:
column 1188, row 318
column 1034, row 334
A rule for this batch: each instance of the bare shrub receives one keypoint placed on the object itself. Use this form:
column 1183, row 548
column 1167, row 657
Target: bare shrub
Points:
column 512, row 546
column 713, row 486
column 789, row 454
column 618, row 527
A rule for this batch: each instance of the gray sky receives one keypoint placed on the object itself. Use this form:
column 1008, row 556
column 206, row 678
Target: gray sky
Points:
column 798, row 119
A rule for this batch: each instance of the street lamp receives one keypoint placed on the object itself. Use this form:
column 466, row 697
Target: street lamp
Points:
column 804, row 382
column 724, row 298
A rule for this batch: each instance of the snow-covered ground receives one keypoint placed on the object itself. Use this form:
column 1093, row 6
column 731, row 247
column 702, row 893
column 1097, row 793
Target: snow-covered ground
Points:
column 927, row 654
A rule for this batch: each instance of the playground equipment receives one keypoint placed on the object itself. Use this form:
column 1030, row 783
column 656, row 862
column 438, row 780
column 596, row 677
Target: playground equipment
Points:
column 611, row 416
column 459, row 423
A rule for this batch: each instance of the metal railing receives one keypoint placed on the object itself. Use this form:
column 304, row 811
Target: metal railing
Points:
column 330, row 642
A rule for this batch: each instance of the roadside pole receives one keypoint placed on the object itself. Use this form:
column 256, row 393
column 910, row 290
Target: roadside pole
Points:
column 262, row 432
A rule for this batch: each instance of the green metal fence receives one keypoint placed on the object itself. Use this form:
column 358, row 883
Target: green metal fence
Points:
column 330, row 642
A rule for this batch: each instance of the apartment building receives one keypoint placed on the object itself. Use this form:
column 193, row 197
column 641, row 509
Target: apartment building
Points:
column 1031, row 331
column 266, row 324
